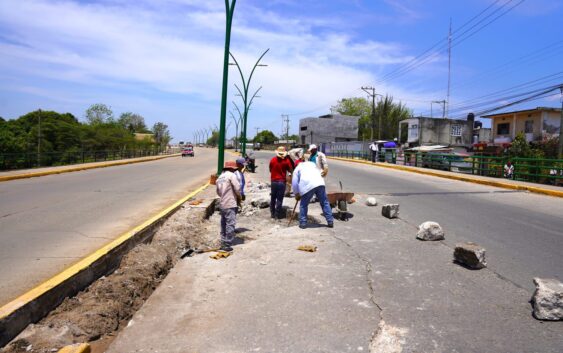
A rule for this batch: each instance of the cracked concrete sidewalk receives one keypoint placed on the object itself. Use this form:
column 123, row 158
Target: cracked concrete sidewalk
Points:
column 267, row 296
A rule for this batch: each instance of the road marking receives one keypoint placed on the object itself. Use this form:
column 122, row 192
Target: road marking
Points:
column 83, row 264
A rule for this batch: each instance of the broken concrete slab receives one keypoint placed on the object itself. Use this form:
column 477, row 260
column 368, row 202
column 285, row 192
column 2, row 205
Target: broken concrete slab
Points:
column 430, row 231
column 470, row 255
column 390, row 210
column 371, row 201
column 261, row 201
column 548, row 299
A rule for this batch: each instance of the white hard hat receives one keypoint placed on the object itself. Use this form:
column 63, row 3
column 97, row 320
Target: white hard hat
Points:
column 312, row 147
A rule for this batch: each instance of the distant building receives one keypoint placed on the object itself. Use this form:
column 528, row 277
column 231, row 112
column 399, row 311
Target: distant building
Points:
column 537, row 124
column 328, row 128
column 447, row 132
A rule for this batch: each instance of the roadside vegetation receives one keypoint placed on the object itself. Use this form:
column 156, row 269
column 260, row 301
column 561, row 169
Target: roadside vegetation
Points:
column 52, row 133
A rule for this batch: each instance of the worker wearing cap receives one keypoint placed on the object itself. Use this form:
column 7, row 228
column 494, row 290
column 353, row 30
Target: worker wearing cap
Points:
column 241, row 163
column 319, row 159
column 280, row 166
column 228, row 189
column 308, row 182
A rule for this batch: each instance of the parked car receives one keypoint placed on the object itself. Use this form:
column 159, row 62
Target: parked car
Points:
column 189, row 152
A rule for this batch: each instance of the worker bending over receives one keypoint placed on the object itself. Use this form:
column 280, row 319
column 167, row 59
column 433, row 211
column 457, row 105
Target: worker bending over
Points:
column 308, row 182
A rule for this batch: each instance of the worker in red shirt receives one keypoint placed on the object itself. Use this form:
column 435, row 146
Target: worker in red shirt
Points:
column 280, row 165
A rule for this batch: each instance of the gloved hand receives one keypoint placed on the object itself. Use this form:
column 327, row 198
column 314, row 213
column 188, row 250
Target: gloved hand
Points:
column 324, row 172
column 297, row 197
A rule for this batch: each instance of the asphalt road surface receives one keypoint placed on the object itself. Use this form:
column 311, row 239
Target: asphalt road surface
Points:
column 50, row 222
column 522, row 232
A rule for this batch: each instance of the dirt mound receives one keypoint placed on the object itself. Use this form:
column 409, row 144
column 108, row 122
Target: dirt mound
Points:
column 111, row 301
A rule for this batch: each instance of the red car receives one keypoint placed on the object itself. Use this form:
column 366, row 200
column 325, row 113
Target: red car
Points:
column 189, row 152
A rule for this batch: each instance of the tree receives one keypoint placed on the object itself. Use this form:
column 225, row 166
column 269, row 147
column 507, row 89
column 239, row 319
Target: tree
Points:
column 391, row 114
column 214, row 139
column 161, row 134
column 265, row 137
column 98, row 114
column 132, row 122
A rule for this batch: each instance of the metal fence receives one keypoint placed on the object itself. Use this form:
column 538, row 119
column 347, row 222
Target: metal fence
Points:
column 10, row 161
column 543, row 171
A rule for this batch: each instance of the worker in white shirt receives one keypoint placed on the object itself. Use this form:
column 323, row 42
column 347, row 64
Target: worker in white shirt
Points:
column 308, row 182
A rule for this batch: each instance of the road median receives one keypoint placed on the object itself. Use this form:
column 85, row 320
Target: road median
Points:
column 512, row 185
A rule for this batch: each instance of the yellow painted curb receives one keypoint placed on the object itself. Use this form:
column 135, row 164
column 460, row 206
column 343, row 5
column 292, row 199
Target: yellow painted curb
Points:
column 81, row 348
column 500, row 184
column 82, row 167
column 83, row 264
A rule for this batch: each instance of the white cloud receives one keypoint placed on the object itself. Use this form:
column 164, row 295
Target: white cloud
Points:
column 113, row 49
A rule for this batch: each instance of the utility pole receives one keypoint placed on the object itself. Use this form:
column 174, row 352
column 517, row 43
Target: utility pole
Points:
column 447, row 104
column 443, row 103
column 39, row 140
column 372, row 95
column 285, row 126
column 560, row 153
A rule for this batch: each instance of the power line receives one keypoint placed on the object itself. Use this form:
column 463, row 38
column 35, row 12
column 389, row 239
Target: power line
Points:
column 429, row 54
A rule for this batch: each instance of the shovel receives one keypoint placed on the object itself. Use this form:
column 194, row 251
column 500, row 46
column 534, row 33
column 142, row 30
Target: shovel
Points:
column 292, row 214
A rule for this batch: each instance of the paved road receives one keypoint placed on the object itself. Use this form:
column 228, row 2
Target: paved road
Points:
column 522, row 232
column 50, row 222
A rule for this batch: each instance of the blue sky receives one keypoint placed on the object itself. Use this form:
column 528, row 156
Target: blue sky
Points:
column 163, row 58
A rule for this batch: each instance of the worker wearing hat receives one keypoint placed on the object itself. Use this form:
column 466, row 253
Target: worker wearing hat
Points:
column 280, row 166
column 241, row 164
column 228, row 189
column 319, row 159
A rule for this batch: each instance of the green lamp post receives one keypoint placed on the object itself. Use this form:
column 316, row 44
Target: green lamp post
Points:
column 244, row 94
column 230, row 9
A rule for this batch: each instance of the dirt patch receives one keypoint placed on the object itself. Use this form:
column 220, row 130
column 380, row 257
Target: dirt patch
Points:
column 107, row 305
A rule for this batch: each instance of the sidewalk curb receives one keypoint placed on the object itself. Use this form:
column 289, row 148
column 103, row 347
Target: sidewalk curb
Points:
column 83, row 167
column 465, row 178
column 33, row 305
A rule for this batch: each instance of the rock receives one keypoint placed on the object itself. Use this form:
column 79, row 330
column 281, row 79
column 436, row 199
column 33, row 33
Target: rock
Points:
column 548, row 299
column 390, row 210
column 371, row 201
column 470, row 255
column 261, row 202
column 430, row 231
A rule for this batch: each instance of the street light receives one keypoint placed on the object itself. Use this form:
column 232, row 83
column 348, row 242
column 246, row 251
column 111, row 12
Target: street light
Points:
column 237, row 122
column 229, row 9
column 244, row 94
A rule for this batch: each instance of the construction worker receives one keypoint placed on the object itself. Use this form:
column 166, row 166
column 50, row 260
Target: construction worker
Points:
column 280, row 166
column 228, row 189
column 241, row 163
column 319, row 159
column 308, row 182
column 296, row 156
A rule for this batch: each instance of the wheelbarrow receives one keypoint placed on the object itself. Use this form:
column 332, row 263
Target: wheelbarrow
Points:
column 340, row 201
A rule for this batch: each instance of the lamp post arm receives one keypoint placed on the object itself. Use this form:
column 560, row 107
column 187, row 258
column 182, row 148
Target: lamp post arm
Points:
column 255, row 65
column 240, row 92
column 253, row 96
column 239, row 70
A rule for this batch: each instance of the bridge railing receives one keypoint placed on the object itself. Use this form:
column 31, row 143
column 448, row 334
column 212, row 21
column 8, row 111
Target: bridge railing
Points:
column 537, row 170
column 11, row 161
